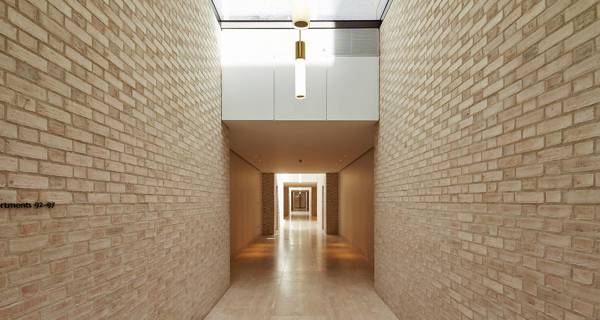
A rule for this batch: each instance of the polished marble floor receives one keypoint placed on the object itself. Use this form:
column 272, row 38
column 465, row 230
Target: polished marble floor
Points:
column 300, row 274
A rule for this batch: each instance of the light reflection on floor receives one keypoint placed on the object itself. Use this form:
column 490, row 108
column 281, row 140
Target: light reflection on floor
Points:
column 301, row 274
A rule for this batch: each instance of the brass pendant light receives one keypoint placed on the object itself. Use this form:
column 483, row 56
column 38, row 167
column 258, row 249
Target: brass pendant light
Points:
column 300, row 68
column 300, row 14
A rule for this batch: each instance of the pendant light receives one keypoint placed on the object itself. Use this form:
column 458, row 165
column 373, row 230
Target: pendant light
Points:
column 300, row 66
column 300, row 14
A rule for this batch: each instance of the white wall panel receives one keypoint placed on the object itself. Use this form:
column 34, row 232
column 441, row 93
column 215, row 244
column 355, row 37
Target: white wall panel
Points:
column 287, row 107
column 353, row 89
column 342, row 75
column 248, row 92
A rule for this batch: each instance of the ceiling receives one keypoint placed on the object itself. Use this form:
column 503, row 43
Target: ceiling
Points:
column 276, row 10
column 323, row 146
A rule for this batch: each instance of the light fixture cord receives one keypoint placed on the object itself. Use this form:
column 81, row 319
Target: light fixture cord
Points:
column 300, row 34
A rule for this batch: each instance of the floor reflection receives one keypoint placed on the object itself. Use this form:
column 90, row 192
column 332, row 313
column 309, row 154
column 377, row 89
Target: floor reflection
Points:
column 301, row 274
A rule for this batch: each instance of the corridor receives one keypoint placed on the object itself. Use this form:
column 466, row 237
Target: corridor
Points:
column 300, row 274
column 299, row 159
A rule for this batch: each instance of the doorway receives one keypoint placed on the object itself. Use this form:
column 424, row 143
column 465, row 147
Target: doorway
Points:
column 299, row 200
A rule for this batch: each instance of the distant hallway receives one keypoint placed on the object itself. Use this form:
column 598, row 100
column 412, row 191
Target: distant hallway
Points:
column 301, row 274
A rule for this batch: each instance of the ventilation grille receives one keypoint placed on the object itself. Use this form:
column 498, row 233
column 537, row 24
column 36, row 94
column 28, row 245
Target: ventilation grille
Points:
column 356, row 42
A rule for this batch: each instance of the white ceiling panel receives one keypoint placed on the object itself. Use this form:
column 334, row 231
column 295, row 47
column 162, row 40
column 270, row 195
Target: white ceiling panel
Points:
column 301, row 146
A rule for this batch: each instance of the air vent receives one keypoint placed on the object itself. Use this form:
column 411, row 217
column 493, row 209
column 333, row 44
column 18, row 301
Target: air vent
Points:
column 356, row 42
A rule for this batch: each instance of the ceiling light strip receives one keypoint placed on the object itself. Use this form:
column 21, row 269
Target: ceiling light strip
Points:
column 287, row 24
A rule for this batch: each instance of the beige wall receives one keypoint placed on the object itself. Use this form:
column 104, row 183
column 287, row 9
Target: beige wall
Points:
column 245, row 203
column 112, row 110
column 487, row 161
column 356, row 204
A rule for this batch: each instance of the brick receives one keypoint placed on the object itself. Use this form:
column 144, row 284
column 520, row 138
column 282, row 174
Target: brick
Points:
column 58, row 197
column 581, row 67
column 555, row 182
column 53, row 113
column 8, row 196
column 530, row 171
column 94, row 174
column 79, row 160
column 556, row 37
column 28, row 274
column 582, row 292
column 583, row 196
column 509, row 185
column 555, row 240
column 25, row 244
column 27, row 181
column 582, row 164
column 554, row 124
column 26, row 150
column 55, row 141
column 54, row 169
column 25, row 118
column 8, row 130
column 529, row 197
column 530, row 92
column 529, row 145
column 557, row 269
column 555, row 211
column 29, row 26
column 26, row 87
column 554, row 95
column 555, row 66
column 8, row 163
column 57, row 253
column 582, row 260
column 582, row 132
column 80, row 210
column 577, row 7
column 583, row 180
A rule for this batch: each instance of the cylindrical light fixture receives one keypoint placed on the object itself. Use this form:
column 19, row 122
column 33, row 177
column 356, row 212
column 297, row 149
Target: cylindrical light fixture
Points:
column 300, row 72
column 300, row 14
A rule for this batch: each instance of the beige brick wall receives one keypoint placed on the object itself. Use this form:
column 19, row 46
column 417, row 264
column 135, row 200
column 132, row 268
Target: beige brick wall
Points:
column 487, row 170
column 286, row 202
column 331, row 202
column 313, row 201
column 111, row 109
column 268, row 203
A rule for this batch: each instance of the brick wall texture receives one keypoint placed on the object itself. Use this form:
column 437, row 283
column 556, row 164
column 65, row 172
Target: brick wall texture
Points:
column 332, row 219
column 268, row 204
column 313, row 201
column 487, row 170
column 112, row 110
column 286, row 202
